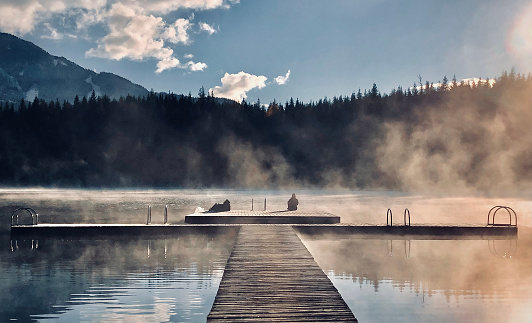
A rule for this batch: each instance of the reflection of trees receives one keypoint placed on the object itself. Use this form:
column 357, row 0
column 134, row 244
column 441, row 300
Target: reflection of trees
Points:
column 454, row 267
column 43, row 280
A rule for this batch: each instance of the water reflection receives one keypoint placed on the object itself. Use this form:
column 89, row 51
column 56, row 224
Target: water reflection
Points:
column 386, row 280
column 157, row 280
column 176, row 280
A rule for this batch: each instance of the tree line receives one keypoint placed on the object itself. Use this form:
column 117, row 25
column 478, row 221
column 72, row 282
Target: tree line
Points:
column 168, row 140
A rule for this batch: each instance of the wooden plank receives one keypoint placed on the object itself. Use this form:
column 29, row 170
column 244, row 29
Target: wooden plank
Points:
column 272, row 277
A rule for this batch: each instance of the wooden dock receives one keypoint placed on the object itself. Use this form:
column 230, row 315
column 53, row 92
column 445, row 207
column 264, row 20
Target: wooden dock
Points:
column 421, row 231
column 271, row 277
column 262, row 217
column 305, row 222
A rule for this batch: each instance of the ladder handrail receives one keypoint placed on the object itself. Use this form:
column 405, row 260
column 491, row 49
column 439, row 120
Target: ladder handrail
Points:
column 496, row 209
column 407, row 211
column 389, row 214
column 34, row 215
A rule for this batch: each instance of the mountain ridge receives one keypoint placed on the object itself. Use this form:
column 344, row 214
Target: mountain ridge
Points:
column 28, row 71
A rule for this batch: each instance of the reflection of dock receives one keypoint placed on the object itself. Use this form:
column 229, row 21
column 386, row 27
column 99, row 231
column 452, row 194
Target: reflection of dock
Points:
column 271, row 277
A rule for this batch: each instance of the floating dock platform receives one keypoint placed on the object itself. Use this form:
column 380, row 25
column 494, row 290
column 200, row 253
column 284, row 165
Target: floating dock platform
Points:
column 309, row 223
column 262, row 217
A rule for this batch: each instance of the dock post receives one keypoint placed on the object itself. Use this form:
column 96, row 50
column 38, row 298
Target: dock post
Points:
column 264, row 204
column 148, row 217
column 251, row 204
column 166, row 214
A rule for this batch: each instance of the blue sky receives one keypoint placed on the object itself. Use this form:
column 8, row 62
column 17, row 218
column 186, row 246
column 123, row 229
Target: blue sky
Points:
column 246, row 48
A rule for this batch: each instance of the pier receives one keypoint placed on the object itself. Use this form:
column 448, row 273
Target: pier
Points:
column 272, row 277
column 305, row 222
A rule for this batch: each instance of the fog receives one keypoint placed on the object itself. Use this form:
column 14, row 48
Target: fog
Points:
column 441, row 278
column 130, row 206
column 465, row 144
column 462, row 140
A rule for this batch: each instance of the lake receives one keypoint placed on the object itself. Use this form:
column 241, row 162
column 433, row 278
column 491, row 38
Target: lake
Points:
column 176, row 279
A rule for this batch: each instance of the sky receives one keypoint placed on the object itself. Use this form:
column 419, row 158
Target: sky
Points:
column 278, row 49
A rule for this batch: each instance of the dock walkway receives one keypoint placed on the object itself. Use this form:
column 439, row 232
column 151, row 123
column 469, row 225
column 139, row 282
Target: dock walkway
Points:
column 272, row 277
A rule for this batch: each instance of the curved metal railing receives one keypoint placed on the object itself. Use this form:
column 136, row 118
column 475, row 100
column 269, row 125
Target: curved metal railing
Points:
column 407, row 212
column 511, row 214
column 389, row 216
column 34, row 215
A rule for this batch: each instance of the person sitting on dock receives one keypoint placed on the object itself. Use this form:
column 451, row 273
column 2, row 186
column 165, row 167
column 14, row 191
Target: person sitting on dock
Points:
column 292, row 203
column 226, row 206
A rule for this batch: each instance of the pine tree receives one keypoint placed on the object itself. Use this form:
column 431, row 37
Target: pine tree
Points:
column 444, row 84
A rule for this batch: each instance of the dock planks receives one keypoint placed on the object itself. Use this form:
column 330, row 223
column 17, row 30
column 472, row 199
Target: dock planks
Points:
column 272, row 277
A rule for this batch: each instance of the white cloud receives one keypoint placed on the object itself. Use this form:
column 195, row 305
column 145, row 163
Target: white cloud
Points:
column 166, row 6
column 21, row 16
column 281, row 80
column 196, row 66
column 207, row 28
column 167, row 63
column 188, row 56
column 177, row 33
column 133, row 34
column 53, row 33
column 137, row 29
column 235, row 86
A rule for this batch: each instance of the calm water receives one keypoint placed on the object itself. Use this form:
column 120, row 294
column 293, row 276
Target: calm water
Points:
column 176, row 279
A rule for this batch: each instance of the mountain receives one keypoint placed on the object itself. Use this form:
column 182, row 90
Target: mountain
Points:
column 27, row 71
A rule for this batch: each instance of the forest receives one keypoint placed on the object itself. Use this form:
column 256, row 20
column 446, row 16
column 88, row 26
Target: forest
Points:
column 454, row 136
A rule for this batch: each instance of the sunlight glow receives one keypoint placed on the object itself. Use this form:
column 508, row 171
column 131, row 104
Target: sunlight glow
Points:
column 519, row 43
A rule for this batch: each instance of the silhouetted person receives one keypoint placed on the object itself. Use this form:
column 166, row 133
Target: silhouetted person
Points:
column 292, row 203
column 226, row 206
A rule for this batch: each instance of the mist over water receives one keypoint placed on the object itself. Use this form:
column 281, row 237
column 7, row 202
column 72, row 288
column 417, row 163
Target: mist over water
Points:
column 463, row 139
column 467, row 143
column 176, row 279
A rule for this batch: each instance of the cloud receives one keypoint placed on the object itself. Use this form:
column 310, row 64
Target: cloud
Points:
column 133, row 35
column 137, row 29
column 177, row 33
column 167, row 63
column 21, row 17
column 207, row 28
column 53, row 33
column 281, row 80
column 188, row 56
column 166, row 6
column 196, row 66
column 235, row 86
column 172, row 62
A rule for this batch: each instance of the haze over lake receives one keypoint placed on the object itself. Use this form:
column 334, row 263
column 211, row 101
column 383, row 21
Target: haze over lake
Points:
column 176, row 279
